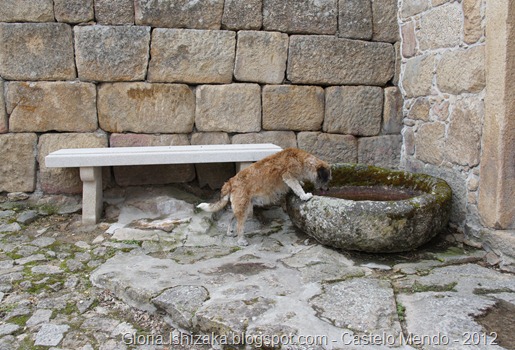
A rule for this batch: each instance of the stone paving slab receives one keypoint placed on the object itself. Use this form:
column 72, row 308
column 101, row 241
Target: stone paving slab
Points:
column 117, row 285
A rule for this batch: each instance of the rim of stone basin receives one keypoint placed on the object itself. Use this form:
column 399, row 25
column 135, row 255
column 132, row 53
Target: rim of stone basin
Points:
column 374, row 226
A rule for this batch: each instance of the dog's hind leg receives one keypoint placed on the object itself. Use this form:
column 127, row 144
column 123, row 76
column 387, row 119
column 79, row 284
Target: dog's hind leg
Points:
column 230, row 227
column 241, row 213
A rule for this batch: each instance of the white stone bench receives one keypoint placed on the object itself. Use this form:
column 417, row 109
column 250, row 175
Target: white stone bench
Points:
column 91, row 160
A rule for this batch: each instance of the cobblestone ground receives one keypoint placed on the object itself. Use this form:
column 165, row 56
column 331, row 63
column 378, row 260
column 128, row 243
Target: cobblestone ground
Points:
column 47, row 299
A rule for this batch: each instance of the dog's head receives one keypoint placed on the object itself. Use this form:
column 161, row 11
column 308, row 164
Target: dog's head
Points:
column 323, row 177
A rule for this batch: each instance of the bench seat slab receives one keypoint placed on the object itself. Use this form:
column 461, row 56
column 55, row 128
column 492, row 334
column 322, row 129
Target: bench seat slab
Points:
column 91, row 160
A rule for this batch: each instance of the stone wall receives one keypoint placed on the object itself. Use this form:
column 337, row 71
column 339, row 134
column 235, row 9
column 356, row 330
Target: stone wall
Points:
column 443, row 83
column 318, row 75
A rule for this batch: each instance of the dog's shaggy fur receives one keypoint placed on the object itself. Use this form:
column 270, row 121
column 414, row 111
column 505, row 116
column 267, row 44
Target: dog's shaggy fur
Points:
column 267, row 181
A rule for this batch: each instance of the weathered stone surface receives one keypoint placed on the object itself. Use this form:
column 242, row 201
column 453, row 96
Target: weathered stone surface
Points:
column 409, row 41
column 497, row 187
column 50, row 334
column 440, row 27
column 355, row 19
column 291, row 16
column 261, row 57
column 192, row 56
column 455, row 77
column 467, row 291
column 64, row 180
column 332, row 148
column 343, row 305
column 146, row 108
column 283, row 139
column 440, row 109
column 39, row 316
column 430, row 142
column 293, row 107
column 385, row 27
column 199, row 14
column 28, row 51
column 3, row 114
column 114, row 11
column 464, row 132
column 418, row 75
column 3, row 118
column 412, row 7
column 242, row 14
column 392, row 110
column 17, row 162
column 409, row 141
column 382, row 151
column 151, row 174
column 231, row 317
column 229, row 108
column 472, row 29
column 112, row 53
column 73, row 11
column 335, row 61
column 181, row 303
column 503, row 242
column 27, row 11
column 454, row 178
column 397, row 63
column 47, row 106
column 374, row 225
column 214, row 175
column 354, row 110
column 419, row 110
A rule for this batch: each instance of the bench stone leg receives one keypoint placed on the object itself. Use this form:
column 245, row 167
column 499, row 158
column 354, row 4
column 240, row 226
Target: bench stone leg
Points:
column 242, row 165
column 91, row 194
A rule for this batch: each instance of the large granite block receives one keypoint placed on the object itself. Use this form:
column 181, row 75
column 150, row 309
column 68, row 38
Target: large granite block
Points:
column 332, row 148
column 146, row 108
column 192, row 56
column 329, row 60
column 51, row 106
column 261, row 57
column 353, row 110
column 293, row 107
column 27, row 11
column 112, row 12
column 36, row 51
column 73, row 11
column 198, row 14
column 242, row 14
column 112, row 53
column 18, row 162
column 228, row 108
column 307, row 16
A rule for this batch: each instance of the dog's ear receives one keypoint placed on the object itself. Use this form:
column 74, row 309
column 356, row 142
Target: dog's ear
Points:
column 323, row 174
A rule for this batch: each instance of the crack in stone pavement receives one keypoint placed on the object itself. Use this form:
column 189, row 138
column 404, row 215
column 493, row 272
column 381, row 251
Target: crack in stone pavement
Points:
column 157, row 274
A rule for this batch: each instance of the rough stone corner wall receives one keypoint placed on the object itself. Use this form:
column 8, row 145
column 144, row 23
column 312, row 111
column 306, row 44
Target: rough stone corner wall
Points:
column 314, row 74
column 443, row 83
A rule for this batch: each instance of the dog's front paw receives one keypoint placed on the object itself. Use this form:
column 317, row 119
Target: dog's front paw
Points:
column 306, row 196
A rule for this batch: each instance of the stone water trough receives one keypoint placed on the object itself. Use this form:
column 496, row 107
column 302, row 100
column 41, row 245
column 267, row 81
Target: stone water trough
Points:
column 374, row 209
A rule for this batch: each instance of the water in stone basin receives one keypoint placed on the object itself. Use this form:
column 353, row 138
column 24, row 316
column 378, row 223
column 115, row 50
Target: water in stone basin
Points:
column 370, row 193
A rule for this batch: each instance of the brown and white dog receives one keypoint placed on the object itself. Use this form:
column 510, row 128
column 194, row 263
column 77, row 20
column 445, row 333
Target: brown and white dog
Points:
column 267, row 181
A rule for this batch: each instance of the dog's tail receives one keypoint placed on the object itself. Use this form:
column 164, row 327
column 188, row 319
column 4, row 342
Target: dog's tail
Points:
column 216, row 206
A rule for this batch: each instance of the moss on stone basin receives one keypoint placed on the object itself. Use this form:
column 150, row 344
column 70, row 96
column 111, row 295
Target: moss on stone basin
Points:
column 375, row 225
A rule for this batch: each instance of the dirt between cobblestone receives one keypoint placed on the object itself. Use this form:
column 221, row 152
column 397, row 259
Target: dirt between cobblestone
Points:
column 47, row 264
